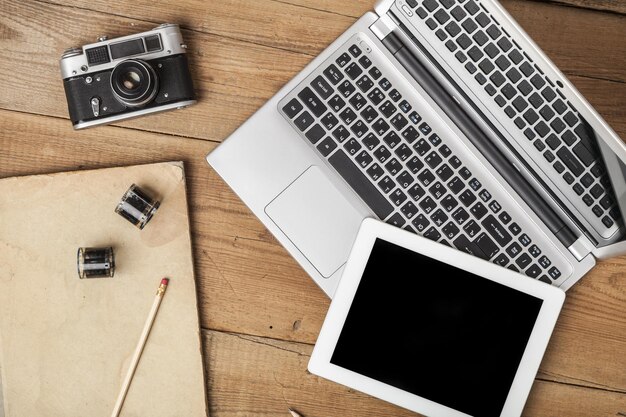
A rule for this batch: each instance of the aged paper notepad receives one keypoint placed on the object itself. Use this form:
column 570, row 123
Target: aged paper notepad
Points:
column 66, row 343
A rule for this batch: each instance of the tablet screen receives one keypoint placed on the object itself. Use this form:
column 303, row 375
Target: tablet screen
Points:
column 436, row 331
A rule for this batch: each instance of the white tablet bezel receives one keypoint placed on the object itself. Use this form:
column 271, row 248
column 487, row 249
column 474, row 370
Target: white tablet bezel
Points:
column 371, row 229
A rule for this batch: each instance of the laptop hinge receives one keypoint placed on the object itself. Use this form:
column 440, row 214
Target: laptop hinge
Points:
column 383, row 27
column 609, row 251
column 382, row 6
column 581, row 247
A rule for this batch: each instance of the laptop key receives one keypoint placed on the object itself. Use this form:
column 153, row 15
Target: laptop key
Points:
column 450, row 230
column 460, row 215
column 398, row 197
column 336, row 103
column 375, row 172
column 322, row 87
column 583, row 154
column 416, row 192
column 358, row 101
column 315, row 133
column 439, row 217
column 355, row 51
column 501, row 260
column 326, row 146
column 311, row 100
column 369, row 114
column 375, row 73
column 420, row 222
column 396, row 220
column 387, row 109
column 523, row 261
column 496, row 230
column 524, row 239
column 352, row 146
column 533, row 271
column 405, row 179
column 432, row 234
column 472, row 228
column 364, row 159
column 409, row 210
column 462, row 243
column 427, row 205
column 346, row 88
column 570, row 161
column 365, row 62
column 364, row 83
column 304, row 121
column 514, row 249
column 382, row 154
column 343, row 60
column 467, row 198
column 361, row 184
column 333, row 74
column 487, row 245
column 292, row 108
column 544, row 262
column 554, row 273
column 341, row 133
column 329, row 121
column 441, row 16
column 415, row 164
column 348, row 116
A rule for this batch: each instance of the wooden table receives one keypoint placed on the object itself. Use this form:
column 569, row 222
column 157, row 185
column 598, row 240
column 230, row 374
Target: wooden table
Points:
column 260, row 312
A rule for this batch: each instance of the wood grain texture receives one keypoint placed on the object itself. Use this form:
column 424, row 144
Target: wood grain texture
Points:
column 247, row 282
column 235, row 76
column 262, row 310
column 564, row 32
column 613, row 6
column 236, row 362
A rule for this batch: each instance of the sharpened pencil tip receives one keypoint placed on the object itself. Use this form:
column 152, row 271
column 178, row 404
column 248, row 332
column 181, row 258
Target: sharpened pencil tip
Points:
column 294, row 413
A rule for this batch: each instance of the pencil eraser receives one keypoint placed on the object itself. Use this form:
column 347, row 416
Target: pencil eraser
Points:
column 164, row 281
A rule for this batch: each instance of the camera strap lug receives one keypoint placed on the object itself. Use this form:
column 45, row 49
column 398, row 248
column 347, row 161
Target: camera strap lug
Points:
column 95, row 106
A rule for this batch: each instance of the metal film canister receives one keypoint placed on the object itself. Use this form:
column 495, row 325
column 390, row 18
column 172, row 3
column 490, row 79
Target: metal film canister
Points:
column 95, row 263
column 137, row 206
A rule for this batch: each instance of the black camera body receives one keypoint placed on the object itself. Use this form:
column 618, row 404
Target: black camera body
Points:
column 127, row 77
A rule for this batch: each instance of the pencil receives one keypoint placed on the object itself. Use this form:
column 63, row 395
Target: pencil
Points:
column 142, row 343
column 294, row 413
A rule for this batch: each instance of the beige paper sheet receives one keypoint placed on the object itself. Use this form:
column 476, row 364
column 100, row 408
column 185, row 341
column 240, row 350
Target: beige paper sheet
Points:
column 65, row 343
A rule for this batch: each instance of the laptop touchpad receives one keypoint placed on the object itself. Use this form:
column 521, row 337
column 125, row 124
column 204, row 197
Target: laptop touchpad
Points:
column 317, row 219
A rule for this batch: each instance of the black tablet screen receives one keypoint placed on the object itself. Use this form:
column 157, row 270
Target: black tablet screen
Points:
column 436, row 331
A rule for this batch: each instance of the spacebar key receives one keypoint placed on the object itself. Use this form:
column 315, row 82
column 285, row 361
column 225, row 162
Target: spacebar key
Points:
column 361, row 184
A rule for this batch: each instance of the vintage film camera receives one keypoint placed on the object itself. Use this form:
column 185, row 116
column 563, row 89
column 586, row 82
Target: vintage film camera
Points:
column 131, row 76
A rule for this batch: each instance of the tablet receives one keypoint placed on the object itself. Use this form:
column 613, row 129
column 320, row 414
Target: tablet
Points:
column 433, row 329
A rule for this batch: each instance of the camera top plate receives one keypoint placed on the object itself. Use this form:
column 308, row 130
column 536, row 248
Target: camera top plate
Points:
column 107, row 53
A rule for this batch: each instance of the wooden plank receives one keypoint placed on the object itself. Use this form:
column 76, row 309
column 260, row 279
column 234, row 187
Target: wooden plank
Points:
column 249, row 284
column 356, row 8
column 578, row 40
column 232, row 78
column 613, row 6
column 256, row 376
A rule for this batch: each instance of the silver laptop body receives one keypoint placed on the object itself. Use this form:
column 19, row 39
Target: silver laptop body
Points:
column 442, row 117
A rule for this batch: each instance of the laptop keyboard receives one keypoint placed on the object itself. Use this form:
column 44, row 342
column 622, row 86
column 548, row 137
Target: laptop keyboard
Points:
column 551, row 125
column 376, row 139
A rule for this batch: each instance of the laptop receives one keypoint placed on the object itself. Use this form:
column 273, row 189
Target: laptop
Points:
column 444, row 118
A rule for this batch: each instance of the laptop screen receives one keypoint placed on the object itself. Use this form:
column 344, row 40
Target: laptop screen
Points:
column 436, row 331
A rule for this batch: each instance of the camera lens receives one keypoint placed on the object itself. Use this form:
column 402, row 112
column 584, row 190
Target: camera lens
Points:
column 134, row 82
column 131, row 80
